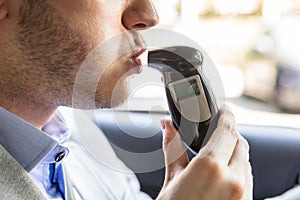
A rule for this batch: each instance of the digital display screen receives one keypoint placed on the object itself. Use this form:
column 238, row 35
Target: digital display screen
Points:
column 186, row 89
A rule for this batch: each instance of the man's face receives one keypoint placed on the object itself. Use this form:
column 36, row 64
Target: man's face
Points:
column 48, row 42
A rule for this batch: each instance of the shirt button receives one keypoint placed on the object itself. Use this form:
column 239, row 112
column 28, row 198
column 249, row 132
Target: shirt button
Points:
column 60, row 156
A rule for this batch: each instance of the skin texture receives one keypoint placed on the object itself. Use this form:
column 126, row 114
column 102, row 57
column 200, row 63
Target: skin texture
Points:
column 44, row 44
column 43, row 50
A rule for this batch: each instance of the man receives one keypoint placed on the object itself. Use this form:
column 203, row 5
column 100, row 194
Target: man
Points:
column 42, row 47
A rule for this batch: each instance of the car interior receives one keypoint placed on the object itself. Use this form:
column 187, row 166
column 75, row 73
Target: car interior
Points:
column 254, row 44
column 274, row 151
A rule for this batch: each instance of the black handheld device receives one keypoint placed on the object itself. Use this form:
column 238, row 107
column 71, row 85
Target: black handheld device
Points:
column 192, row 104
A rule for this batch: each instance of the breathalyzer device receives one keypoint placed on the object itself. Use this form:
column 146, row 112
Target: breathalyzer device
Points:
column 191, row 102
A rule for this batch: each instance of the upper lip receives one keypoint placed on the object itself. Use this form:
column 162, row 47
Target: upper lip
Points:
column 137, row 42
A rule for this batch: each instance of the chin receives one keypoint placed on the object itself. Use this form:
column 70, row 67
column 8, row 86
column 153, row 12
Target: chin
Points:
column 114, row 98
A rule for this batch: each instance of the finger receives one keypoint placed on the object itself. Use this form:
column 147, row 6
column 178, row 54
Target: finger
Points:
column 240, row 154
column 240, row 165
column 176, row 158
column 249, row 185
column 224, row 139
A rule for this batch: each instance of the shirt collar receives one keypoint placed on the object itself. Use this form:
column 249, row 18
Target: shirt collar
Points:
column 27, row 144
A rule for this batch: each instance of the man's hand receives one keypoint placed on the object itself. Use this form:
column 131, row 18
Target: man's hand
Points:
column 220, row 171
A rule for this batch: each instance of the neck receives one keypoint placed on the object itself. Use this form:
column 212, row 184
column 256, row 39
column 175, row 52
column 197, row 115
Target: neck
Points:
column 33, row 115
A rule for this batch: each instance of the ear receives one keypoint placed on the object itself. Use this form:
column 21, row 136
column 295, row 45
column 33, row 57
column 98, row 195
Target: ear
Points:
column 3, row 10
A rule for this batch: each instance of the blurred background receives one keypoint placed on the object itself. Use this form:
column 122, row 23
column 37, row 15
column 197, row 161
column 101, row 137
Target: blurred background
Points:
column 255, row 45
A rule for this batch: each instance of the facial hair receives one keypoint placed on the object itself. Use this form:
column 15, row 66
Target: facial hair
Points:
column 50, row 53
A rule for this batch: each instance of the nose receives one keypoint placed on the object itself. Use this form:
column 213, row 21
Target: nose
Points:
column 139, row 15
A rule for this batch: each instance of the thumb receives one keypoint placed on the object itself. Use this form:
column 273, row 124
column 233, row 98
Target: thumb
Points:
column 176, row 158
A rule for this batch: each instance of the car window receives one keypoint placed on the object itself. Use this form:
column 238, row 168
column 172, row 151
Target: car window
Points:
column 255, row 47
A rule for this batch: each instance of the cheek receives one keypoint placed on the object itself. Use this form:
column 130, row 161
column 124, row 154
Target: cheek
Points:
column 94, row 20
